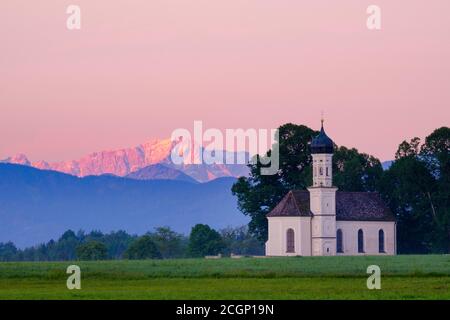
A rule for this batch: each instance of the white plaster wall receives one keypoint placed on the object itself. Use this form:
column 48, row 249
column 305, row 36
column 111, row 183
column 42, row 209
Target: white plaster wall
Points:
column 370, row 229
column 324, row 226
column 323, row 247
column 323, row 235
column 278, row 226
column 323, row 161
column 322, row 200
column 323, row 206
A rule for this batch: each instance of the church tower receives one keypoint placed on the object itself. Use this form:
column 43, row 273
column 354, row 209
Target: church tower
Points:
column 322, row 195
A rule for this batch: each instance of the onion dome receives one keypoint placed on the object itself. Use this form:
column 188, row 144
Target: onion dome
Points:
column 322, row 143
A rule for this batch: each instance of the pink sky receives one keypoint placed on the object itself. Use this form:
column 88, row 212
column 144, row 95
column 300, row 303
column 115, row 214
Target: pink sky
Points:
column 139, row 69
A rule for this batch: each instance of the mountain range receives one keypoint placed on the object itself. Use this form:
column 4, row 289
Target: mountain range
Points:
column 160, row 172
column 123, row 162
column 37, row 205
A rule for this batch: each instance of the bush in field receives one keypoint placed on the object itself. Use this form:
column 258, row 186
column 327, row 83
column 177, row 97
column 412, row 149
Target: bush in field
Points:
column 204, row 241
column 92, row 250
column 143, row 248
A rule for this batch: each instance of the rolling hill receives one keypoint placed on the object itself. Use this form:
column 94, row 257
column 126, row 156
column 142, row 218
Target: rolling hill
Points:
column 160, row 172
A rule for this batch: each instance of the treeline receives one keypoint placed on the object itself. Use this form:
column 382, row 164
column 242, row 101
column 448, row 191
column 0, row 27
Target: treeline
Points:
column 416, row 186
column 417, row 189
column 162, row 243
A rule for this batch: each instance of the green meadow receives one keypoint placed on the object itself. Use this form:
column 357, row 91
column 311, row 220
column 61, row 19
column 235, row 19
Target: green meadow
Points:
column 402, row 277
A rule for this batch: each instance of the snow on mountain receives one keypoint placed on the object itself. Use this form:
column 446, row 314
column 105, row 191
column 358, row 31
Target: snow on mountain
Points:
column 122, row 162
column 18, row 159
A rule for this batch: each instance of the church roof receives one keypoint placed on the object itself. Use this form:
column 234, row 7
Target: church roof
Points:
column 295, row 203
column 350, row 206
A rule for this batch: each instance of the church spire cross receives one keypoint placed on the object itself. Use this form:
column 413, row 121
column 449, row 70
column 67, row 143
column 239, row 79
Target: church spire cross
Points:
column 322, row 120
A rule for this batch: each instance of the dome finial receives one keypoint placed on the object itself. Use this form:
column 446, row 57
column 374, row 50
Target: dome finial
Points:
column 322, row 119
column 322, row 143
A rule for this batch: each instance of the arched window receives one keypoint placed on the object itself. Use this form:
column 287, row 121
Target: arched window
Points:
column 326, row 171
column 339, row 242
column 290, row 242
column 381, row 241
column 321, row 171
column 360, row 241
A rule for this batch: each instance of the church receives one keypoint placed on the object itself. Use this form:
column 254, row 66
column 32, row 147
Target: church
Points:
column 323, row 221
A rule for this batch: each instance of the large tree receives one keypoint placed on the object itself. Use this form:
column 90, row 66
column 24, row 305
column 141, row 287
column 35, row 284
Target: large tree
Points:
column 64, row 248
column 8, row 251
column 143, row 248
column 354, row 171
column 92, row 250
column 417, row 189
column 239, row 241
column 436, row 153
column 169, row 242
column 406, row 187
column 258, row 194
column 204, row 241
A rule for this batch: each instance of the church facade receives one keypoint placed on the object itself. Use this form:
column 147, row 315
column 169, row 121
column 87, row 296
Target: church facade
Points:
column 323, row 221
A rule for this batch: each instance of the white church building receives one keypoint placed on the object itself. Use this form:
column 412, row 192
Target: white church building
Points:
column 324, row 221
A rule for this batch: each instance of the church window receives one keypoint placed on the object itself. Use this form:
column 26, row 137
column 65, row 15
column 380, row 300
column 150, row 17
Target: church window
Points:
column 381, row 241
column 290, row 242
column 360, row 241
column 339, row 244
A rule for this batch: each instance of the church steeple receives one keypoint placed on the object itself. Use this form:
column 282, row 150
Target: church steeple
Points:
column 322, row 196
column 322, row 148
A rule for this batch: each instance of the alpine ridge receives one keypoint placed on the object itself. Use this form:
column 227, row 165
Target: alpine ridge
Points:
column 125, row 161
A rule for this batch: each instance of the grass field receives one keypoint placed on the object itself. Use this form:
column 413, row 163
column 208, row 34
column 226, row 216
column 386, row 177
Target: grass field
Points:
column 402, row 277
